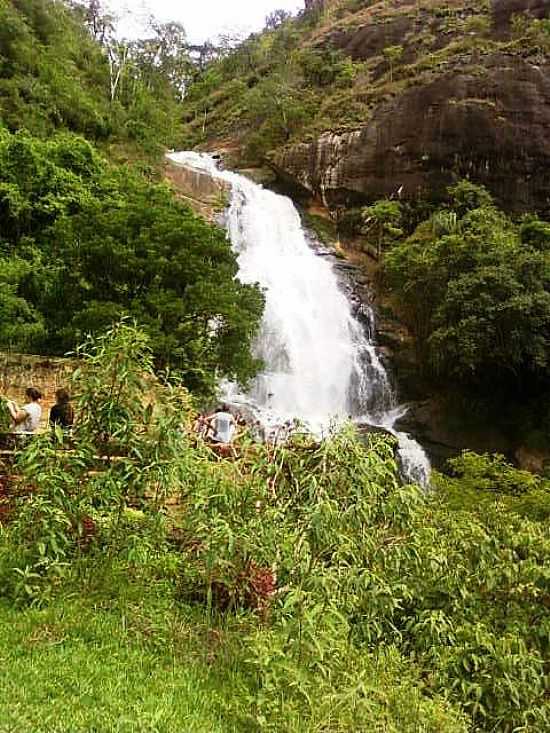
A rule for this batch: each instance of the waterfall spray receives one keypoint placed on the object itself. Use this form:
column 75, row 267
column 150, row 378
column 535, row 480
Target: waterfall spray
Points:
column 321, row 363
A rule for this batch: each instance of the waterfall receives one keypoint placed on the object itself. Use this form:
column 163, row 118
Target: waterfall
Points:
column 321, row 362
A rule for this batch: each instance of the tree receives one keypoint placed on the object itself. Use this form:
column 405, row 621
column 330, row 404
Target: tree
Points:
column 466, row 196
column 117, row 54
column 64, row 68
column 275, row 19
column 382, row 221
column 477, row 297
column 393, row 54
column 163, row 57
column 103, row 243
column 277, row 109
column 100, row 23
column 535, row 233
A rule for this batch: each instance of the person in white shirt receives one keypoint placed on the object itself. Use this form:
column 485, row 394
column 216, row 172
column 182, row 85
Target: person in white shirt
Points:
column 223, row 425
column 27, row 418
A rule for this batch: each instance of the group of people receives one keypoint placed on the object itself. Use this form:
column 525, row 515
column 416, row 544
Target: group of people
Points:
column 26, row 419
column 218, row 428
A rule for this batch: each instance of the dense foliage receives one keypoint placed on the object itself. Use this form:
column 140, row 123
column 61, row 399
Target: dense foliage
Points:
column 342, row 599
column 83, row 243
column 58, row 71
column 475, row 288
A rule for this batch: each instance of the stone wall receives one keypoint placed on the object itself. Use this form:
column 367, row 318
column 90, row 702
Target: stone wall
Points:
column 19, row 371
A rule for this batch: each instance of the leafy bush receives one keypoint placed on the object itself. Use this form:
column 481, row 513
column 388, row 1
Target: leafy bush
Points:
column 493, row 473
column 479, row 481
column 309, row 677
column 128, row 444
column 352, row 592
column 475, row 290
column 462, row 595
column 105, row 243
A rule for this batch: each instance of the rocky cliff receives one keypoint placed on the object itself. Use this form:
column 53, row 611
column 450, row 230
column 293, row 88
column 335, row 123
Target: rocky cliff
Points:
column 493, row 126
column 467, row 99
column 503, row 10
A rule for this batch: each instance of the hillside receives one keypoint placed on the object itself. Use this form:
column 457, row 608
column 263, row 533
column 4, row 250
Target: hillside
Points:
column 88, row 234
column 155, row 579
column 62, row 69
column 355, row 100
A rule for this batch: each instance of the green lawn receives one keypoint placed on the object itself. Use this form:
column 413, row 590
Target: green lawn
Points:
column 74, row 668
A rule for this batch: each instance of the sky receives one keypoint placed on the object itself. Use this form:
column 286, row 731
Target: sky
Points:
column 201, row 19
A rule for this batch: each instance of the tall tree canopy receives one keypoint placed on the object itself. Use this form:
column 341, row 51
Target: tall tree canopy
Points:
column 475, row 288
column 62, row 66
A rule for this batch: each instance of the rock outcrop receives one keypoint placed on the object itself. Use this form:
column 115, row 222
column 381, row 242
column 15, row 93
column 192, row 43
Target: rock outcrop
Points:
column 207, row 196
column 479, row 109
column 503, row 10
column 492, row 125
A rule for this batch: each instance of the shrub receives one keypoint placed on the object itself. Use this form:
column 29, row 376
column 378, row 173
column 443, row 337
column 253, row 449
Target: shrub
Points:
column 476, row 296
column 493, row 473
column 128, row 447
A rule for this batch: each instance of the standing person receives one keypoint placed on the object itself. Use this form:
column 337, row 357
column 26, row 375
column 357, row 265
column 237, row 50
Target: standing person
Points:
column 62, row 413
column 27, row 418
column 223, row 424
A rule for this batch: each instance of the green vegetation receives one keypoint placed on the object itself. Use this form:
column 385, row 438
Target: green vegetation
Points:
column 478, row 482
column 148, row 584
column 84, row 243
column 393, row 54
column 381, row 222
column 328, row 69
column 271, row 87
column 475, row 289
column 61, row 68
column 297, row 587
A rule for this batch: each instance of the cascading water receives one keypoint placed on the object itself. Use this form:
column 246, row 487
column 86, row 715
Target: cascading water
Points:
column 321, row 363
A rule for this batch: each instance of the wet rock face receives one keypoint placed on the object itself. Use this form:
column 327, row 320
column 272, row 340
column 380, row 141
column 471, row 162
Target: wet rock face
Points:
column 491, row 123
column 205, row 195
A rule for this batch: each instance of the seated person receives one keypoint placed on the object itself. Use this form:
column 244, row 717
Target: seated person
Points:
column 223, row 425
column 26, row 419
column 62, row 412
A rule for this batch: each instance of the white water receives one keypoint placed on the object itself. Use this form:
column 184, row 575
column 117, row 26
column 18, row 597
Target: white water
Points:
column 321, row 363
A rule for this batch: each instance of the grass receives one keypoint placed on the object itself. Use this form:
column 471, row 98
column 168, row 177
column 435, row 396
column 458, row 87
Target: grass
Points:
column 106, row 664
column 116, row 652
column 324, row 229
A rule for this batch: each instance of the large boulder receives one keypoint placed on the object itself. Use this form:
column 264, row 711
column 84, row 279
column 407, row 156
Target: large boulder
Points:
column 504, row 10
